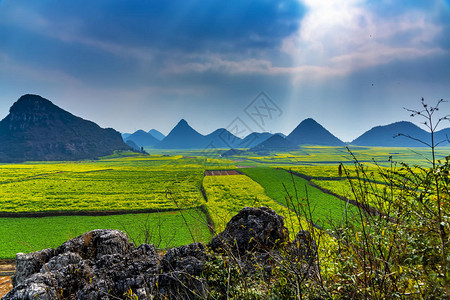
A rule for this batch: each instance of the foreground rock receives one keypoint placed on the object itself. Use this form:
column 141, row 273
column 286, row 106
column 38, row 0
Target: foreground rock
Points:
column 252, row 230
column 103, row 264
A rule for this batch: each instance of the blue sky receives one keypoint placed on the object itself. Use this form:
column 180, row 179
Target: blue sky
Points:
column 131, row 64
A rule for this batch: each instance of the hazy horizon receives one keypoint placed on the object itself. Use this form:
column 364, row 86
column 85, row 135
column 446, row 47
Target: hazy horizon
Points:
column 129, row 65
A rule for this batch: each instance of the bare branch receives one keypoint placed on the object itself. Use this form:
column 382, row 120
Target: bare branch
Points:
column 412, row 138
column 445, row 118
column 443, row 141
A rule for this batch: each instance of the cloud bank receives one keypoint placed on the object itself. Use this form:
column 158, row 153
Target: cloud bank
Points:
column 146, row 64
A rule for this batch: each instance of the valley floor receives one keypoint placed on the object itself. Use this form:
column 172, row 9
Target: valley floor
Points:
column 188, row 204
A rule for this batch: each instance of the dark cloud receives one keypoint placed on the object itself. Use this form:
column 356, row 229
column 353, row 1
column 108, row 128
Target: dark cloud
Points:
column 76, row 59
column 106, row 42
column 179, row 24
column 155, row 62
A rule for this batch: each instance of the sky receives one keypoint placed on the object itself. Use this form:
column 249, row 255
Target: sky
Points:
column 260, row 65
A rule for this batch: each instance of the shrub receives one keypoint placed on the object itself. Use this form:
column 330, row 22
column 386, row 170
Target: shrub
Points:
column 404, row 250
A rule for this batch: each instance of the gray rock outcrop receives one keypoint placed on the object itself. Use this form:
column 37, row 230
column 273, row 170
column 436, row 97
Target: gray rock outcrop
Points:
column 252, row 230
column 103, row 264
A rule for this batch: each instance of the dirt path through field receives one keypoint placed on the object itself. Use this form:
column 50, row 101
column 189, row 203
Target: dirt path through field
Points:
column 221, row 172
column 83, row 213
column 7, row 267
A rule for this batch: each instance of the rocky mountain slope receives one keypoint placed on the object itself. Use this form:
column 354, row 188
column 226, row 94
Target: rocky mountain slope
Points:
column 36, row 129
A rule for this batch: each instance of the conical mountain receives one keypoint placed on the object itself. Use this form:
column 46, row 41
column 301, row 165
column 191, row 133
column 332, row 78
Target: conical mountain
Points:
column 274, row 143
column 36, row 129
column 182, row 136
column 142, row 139
column 309, row 132
column 254, row 139
column 387, row 136
column 222, row 138
column 156, row 134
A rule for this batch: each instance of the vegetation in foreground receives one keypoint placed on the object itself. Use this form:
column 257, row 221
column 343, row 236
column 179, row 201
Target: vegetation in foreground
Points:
column 404, row 252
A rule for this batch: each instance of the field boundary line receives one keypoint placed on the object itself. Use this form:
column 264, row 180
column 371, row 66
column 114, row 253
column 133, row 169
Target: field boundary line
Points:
column 371, row 210
column 328, row 178
column 225, row 172
column 93, row 171
column 50, row 174
column 209, row 220
column 31, row 177
column 84, row 213
column 303, row 163
column 283, row 205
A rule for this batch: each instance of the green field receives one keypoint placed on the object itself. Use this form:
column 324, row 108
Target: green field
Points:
column 326, row 209
column 170, row 182
column 166, row 229
column 228, row 194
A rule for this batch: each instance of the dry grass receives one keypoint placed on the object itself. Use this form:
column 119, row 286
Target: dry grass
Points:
column 5, row 285
column 6, row 267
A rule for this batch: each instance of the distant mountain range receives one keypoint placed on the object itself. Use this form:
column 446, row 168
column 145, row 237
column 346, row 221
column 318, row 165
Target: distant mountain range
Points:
column 274, row 143
column 222, row 138
column 156, row 134
column 36, row 129
column 308, row 132
column 142, row 139
column 254, row 139
column 183, row 136
column 388, row 136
